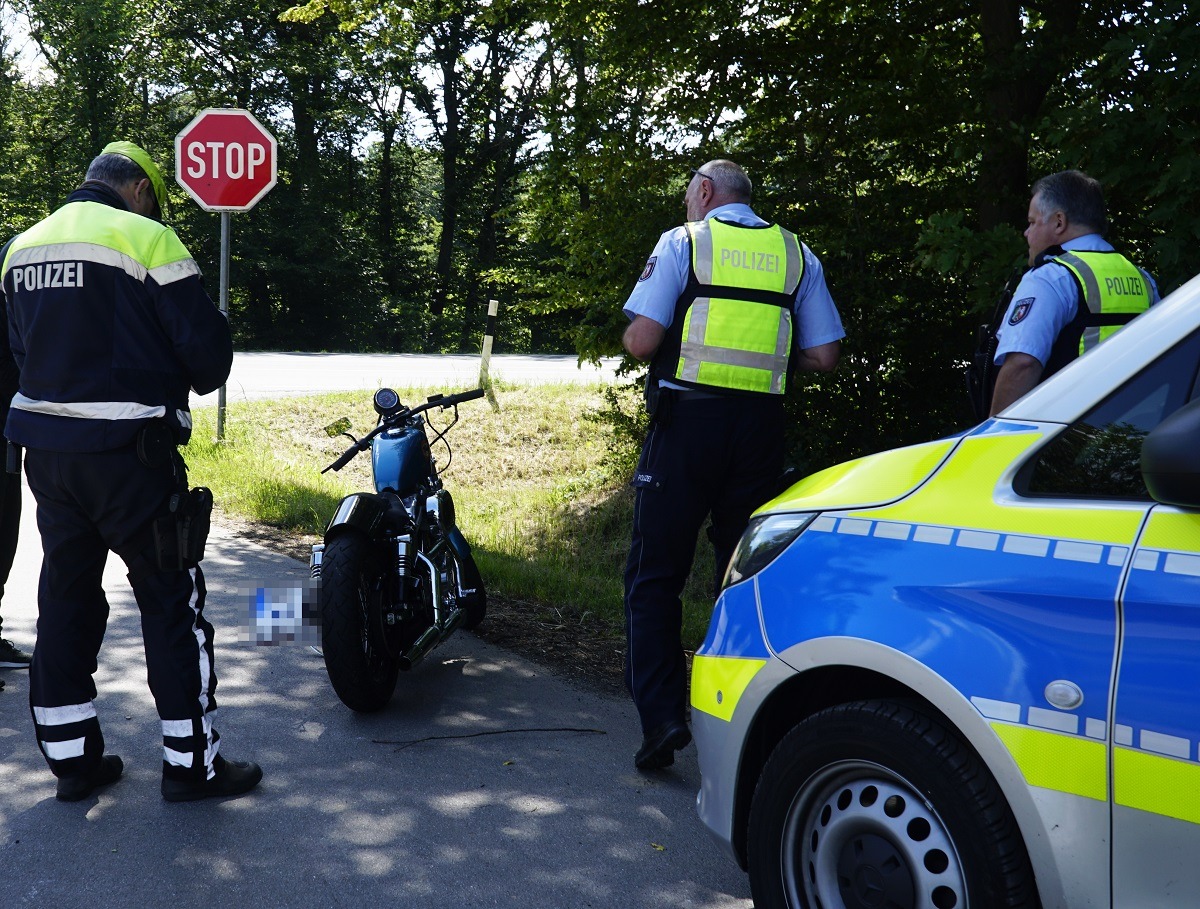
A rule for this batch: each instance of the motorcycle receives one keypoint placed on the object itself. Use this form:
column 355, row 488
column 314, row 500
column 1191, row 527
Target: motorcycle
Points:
column 394, row 573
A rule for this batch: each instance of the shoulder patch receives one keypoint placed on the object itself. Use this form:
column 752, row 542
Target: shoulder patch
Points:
column 649, row 269
column 1020, row 310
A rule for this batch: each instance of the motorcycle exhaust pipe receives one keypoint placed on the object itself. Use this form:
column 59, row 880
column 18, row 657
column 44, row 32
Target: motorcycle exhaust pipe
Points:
column 430, row 638
column 444, row 622
column 435, row 589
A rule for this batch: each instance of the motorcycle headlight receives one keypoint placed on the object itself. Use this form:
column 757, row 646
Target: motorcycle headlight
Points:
column 765, row 538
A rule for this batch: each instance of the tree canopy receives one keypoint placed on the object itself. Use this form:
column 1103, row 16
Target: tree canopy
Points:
column 439, row 153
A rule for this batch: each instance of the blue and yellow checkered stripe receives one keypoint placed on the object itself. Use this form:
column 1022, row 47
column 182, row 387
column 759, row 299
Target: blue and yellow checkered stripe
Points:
column 1152, row 771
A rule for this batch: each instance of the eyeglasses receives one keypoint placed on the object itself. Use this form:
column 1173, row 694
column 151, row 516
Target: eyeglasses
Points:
column 700, row 173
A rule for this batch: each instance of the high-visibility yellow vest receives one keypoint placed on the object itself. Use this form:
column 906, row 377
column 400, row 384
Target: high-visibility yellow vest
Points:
column 733, row 323
column 1112, row 292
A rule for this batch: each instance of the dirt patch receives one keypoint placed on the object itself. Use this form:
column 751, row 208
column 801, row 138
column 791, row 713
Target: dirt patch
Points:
column 581, row 650
column 585, row 652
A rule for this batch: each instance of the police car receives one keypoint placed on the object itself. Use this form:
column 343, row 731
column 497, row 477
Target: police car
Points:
column 966, row 673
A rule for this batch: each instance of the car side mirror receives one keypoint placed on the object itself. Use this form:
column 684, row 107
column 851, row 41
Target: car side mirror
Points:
column 1171, row 458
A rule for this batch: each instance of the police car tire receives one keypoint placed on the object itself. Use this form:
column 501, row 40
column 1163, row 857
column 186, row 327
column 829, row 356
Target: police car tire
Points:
column 874, row 785
column 363, row 678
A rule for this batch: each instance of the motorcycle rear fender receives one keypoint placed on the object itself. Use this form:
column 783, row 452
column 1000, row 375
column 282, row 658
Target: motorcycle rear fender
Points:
column 362, row 511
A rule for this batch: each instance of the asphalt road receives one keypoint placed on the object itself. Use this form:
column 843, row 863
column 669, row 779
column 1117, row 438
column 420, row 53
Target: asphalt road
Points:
column 487, row 782
column 259, row 374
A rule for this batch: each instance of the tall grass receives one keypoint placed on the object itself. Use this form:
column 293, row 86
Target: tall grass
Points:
column 539, row 490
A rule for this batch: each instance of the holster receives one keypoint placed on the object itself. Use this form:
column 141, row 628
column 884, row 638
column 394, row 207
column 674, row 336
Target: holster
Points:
column 652, row 390
column 180, row 535
column 660, row 402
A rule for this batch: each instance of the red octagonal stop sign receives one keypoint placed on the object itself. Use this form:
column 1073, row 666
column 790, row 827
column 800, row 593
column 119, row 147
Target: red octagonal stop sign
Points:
column 225, row 159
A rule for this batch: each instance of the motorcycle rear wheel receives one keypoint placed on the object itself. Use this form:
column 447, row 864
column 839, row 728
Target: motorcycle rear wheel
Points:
column 363, row 676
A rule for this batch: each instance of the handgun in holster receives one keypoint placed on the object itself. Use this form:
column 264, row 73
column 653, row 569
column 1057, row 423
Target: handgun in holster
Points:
column 180, row 534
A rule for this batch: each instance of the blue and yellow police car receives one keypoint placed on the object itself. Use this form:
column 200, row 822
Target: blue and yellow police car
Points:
column 967, row 673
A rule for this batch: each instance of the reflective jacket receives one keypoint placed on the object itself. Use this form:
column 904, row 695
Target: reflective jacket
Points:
column 732, row 328
column 109, row 325
column 1112, row 292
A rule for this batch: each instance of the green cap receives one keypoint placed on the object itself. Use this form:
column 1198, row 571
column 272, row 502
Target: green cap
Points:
column 138, row 156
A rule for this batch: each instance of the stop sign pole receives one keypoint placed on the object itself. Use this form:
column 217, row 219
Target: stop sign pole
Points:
column 227, row 161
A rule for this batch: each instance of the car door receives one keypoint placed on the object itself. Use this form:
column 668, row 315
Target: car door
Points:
column 1152, row 731
column 1156, row 721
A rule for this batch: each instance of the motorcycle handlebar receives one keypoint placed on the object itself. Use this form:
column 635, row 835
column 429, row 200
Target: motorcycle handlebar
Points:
column 347, row 456
column 442, row 401
column 451, row 400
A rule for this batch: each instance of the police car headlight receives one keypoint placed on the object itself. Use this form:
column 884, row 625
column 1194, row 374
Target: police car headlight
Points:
column 764, row 539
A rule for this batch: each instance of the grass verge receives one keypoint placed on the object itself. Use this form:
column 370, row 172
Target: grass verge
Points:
column 536, row 489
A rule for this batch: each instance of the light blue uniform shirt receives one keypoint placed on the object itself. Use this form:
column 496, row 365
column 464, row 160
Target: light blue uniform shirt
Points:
column 1045, row 302
column 816, row 320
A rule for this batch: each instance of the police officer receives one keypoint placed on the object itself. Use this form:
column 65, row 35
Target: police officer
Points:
column 726, row 307
column 110, row 327
column 1078, row 291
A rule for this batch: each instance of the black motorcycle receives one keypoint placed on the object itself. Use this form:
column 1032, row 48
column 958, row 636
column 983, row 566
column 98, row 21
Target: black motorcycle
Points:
column 395, row 575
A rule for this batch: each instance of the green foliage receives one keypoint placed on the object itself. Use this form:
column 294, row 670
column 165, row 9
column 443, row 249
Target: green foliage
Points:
column 435, row 155
column 624, row 417
column 1132, row 120
column 440, row 153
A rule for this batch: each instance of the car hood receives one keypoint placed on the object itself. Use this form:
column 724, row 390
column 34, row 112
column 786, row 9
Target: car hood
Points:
column 873, row 480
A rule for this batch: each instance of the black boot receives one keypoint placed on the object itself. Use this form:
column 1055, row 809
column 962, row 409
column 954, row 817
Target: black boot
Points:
column 80, row 785
column 230, row 778
column 659, row 745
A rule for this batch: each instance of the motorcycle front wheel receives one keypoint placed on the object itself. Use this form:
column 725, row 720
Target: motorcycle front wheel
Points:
column 363, row 676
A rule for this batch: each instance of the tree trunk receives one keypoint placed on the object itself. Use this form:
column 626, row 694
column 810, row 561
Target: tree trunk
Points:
column 387, row 216
column 1019, row 70
column 304, row 92
column 451, row 192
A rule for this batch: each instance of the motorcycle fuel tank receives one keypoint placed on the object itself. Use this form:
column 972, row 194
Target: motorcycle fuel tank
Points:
column 400, row 459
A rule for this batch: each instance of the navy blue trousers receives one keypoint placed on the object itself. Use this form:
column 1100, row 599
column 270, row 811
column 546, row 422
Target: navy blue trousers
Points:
column 90, row 503
column 712, row 456
column 10, row 523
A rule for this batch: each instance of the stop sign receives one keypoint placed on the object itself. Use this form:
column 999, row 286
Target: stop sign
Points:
column 225, row 159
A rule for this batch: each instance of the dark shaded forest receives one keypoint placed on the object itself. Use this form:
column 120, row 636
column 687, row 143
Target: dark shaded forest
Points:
column 439, row 153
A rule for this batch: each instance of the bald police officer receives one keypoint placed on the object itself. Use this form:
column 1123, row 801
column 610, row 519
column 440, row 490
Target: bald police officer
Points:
column 725, row 308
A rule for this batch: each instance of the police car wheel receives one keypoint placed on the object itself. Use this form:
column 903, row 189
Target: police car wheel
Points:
column 875, row 804
column 363, row 676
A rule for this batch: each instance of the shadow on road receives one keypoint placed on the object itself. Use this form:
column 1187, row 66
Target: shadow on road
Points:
column 486, row 782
